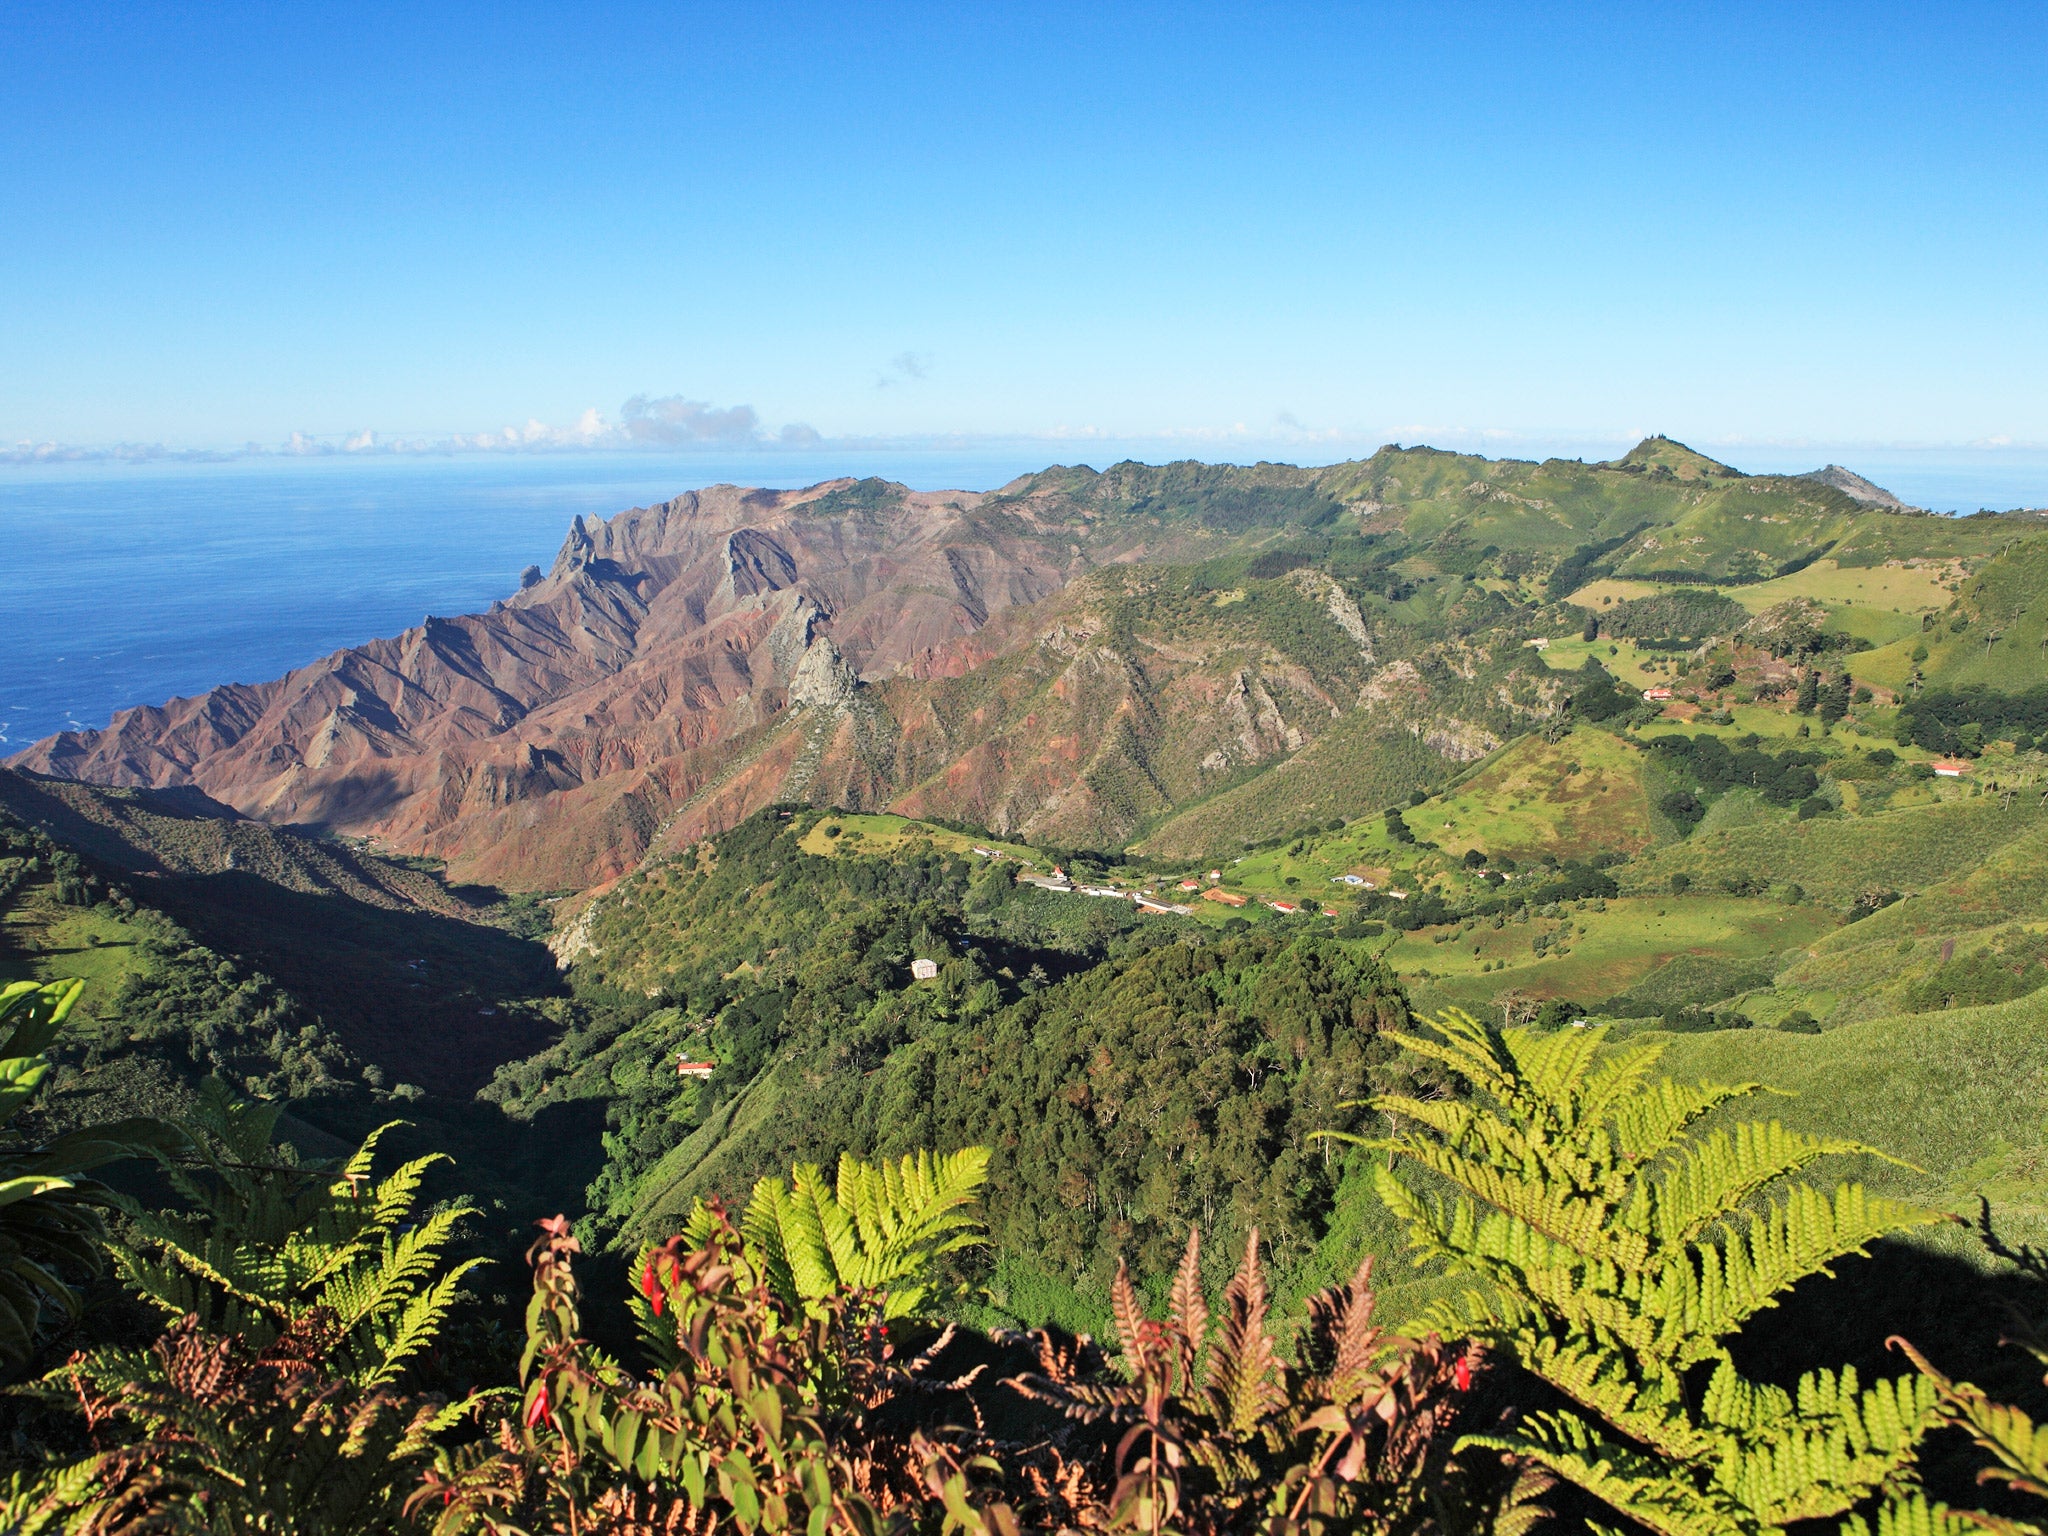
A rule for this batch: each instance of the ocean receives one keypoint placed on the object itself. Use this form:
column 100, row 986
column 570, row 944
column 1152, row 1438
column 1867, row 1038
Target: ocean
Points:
column 134, row 584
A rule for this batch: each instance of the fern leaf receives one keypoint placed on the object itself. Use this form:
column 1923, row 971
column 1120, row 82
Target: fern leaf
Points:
column 1129, row 1318
column 1244, row 1368
column 1640, row 1486
column 1188, row 1308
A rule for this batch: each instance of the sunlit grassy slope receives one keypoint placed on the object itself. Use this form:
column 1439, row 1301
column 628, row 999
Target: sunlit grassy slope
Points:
column 1960, row 1095
column 1593, row 951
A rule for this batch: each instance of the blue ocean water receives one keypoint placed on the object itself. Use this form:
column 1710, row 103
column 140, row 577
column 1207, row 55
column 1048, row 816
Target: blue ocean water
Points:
column 134, row 585
column 137, row 584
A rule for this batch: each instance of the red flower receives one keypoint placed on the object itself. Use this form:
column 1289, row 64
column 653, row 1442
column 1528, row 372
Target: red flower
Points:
column 1461, row 1377
column 652, row 1288
column 539, row 1410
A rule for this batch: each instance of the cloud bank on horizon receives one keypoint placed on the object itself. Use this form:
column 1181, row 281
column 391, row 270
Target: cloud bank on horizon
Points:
column 680, row 424
column 671, row 423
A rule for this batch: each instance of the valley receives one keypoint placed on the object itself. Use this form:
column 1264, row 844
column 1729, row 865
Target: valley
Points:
column 1154, row 765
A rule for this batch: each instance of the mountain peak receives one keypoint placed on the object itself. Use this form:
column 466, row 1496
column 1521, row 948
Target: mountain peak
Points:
column 1856, row 488
column 1660, row 452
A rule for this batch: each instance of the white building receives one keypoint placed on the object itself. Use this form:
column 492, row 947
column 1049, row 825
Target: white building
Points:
column 923, row 970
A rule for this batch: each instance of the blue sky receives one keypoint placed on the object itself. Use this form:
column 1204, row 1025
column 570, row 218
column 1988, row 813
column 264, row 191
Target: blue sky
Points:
column 1316, row 226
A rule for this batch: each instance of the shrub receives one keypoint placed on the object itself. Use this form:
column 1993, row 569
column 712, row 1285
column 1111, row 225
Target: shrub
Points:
column 272, row 1402
column 774, row 1410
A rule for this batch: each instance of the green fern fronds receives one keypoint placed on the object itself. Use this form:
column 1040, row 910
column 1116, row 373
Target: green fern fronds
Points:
column 1623, row 1244
column 265, row 1243
column 50, row 1222
column 878, row 1227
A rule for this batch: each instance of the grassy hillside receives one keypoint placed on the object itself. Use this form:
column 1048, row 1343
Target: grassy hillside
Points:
column 1961, row 1097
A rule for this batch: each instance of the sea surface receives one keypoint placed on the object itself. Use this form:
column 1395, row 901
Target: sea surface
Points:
column 137, row 584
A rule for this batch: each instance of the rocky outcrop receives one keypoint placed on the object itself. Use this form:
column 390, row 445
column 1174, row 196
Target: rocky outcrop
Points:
column 1856, row 488
column 543, row 741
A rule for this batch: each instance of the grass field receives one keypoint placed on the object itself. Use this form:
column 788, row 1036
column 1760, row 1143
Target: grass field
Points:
column 1594, row 950
column 1961, row 1096
column 1574, row 798
column 42, row 940
column 881, row 835
column 1899, row 588
column 1635, row 668
column 1354, row 767
column 1836, row 858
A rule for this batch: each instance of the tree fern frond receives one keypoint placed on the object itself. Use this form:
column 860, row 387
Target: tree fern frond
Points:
column 1650, row 1121
column 878, row 1228
column 1627, row 1480
column 414, row 1327
column 1244, row 1367
column 1129, row 1318
column 1187, row 1308
column 1707, row 1180
column 1914, row 1514
column 1623, row 1245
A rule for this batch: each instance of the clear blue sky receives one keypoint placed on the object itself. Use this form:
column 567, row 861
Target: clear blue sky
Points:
column 1732, row 223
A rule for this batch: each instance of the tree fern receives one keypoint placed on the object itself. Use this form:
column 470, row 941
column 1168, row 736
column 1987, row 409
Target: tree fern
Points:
column 269, row 1403
column 265, row 1242
column 1623, row 1244
column 881, row 1227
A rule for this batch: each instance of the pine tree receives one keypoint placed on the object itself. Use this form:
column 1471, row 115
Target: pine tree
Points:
column 1834, row 699
column 1592, row 629
column 1622, row 1246
column 1809, row 692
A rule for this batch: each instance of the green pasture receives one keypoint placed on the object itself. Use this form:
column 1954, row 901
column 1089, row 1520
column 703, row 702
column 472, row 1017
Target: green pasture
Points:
column 1837, row 858
column 42, row 940
column 1961, row 1097
column 1590, row 954
column 881, row 834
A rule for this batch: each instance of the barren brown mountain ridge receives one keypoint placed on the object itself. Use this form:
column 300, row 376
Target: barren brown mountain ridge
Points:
column 1077, row 657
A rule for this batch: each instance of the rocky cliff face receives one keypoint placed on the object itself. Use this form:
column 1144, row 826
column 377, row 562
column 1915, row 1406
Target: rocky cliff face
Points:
column 542, row 741
column 1027, row 659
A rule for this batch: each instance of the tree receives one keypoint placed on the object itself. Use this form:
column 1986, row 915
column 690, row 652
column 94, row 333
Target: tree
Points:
column 1809, row 692
column 1592, row 630
column 1834, row 699
column 1621, row 1246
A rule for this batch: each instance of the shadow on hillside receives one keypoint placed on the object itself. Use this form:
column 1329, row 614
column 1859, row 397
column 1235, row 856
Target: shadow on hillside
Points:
column 420, row 995
column 1949, row 1309
column 1946, row 1307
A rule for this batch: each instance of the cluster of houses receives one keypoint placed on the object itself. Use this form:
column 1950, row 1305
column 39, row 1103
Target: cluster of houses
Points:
column 1059, row 881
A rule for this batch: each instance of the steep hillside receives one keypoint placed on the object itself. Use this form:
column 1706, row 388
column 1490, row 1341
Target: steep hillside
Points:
column 173, row 832
column 1080, row 656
